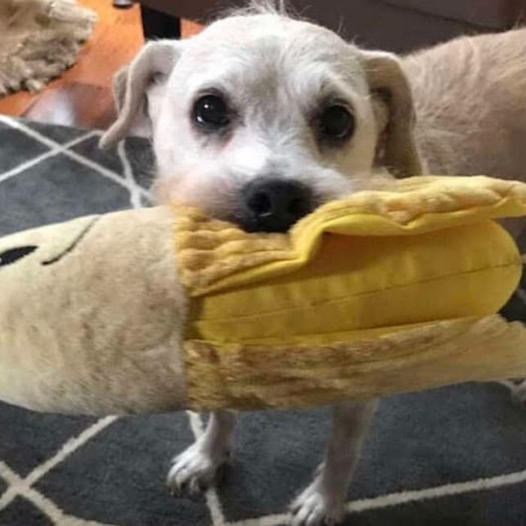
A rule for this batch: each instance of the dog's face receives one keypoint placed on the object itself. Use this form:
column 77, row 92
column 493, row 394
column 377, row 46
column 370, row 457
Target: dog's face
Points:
column 260, row 118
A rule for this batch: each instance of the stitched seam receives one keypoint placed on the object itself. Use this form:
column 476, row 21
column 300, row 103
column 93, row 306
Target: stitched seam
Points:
column 344, row 298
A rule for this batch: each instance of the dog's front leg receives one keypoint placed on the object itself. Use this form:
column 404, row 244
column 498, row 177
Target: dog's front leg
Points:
column 323, row 502
column 195, row 468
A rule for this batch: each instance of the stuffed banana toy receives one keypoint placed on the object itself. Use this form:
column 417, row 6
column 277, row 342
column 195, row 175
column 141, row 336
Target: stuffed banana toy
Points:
column 164, row 308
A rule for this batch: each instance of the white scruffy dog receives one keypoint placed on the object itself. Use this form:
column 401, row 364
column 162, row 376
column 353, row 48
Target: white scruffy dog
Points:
column 262, row 117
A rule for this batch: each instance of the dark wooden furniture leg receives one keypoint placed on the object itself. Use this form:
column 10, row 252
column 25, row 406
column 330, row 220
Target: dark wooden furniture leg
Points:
column 159, row 25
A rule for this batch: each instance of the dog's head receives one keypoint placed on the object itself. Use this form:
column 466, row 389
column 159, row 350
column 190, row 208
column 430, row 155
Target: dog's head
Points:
column 261, row 117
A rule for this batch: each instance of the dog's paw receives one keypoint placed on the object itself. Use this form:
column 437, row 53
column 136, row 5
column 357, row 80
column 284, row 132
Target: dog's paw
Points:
column 517, row 388
column 314, row 507
column 194, row 470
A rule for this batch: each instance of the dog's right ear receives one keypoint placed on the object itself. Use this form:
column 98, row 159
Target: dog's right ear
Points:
column 130, row 84
column 392, row 98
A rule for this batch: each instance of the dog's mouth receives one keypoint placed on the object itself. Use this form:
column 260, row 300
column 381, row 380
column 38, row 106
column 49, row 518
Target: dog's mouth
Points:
column 268, row 224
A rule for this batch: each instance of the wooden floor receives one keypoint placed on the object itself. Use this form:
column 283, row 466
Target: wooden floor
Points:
column 82, row 95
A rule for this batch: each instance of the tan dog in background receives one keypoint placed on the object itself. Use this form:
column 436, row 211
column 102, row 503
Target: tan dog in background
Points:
column 262, row 117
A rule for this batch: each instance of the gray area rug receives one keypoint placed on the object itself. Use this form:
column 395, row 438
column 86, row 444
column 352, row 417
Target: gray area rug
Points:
column 444, row 457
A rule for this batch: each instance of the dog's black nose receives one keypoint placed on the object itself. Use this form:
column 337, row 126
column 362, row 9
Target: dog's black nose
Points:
column 274, row 205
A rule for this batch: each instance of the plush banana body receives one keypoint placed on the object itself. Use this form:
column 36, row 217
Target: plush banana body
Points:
column 163, row 309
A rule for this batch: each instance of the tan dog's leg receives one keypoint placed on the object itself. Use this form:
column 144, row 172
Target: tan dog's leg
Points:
column 323, row 502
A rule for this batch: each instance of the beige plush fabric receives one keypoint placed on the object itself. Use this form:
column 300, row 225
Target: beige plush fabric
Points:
column 91, row 321
column 39, row 39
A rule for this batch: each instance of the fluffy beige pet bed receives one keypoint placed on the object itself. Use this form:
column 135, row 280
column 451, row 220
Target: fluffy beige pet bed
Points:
column 39, row 39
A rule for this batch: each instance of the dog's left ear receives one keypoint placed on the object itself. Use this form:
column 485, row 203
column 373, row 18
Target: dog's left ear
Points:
column 132, row 83
column 395, row 113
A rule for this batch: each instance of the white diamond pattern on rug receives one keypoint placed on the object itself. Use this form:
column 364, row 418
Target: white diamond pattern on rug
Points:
column 449, row 456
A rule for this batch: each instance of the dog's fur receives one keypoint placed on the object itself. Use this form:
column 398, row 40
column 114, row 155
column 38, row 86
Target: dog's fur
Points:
column 469, row 99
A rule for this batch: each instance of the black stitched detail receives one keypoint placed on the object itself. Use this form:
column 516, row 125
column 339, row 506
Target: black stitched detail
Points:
column 14, row 254
column 76, row 241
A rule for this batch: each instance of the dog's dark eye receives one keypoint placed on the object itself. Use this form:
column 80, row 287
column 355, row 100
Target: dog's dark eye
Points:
column 211, row 111
column 14, row 254
column 336, row 122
